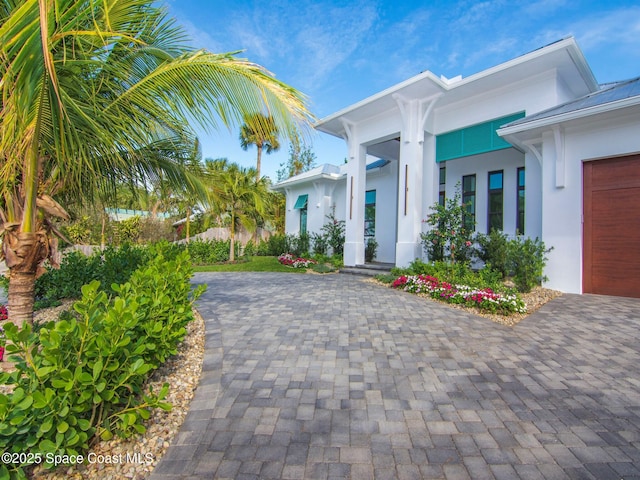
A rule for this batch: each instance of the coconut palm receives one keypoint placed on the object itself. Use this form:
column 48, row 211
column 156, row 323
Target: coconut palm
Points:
column 99, row 91
column 236, row 193
column 259, row 130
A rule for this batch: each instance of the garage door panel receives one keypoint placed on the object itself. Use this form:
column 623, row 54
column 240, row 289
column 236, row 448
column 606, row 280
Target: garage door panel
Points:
column 612, row 227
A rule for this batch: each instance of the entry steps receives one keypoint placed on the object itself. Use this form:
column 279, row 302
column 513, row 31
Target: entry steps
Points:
column 369, row 269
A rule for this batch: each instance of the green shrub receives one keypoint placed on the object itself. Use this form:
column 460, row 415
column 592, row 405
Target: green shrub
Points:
column 333, row 231
column 370, row 250
column 493, row 249
column 117, row 264
column 76, row 269
column 274, row 246
column 527, row 262
column 449, row 238
column 298, row 245
column 521, row 258
column 83, row 376
column 319, row 244
column 208, row 252
column 249, row 249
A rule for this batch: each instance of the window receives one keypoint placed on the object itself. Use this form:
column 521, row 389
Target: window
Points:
column 443, row 183
column 520, row 219
column 469, row 201
column 301, row 204
column 370, row 214
column 496, row 194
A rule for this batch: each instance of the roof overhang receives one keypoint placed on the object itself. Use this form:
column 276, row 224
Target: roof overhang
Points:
column 529, row 130
column 563, row 57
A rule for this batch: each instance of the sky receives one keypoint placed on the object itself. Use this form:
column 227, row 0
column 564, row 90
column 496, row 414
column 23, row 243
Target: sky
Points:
column 340, row 52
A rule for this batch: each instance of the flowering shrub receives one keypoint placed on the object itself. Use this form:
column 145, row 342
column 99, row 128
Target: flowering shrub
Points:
column 450, row 228
column 3, row 313
column 295, row 262
column 481, row 298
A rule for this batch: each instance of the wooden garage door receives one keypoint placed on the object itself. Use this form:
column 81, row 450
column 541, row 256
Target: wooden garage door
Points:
column 612, row 227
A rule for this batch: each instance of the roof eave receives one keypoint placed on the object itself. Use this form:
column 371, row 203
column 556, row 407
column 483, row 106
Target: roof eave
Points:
column 568, row 116
column 296, row 181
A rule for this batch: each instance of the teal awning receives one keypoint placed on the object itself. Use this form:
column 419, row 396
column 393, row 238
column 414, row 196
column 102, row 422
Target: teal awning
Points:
column 472, row 140
column 370, row 197
column 301, row 202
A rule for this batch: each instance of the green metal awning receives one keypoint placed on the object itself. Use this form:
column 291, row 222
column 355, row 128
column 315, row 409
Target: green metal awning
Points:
column 472, row 140
column 301, row 202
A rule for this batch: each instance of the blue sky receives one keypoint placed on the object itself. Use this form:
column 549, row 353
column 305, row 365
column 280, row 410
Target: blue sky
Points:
column 340, row 52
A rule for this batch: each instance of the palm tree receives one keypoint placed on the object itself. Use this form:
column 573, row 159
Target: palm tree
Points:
column 236, row 192
column 259, row 130
column 97, row 92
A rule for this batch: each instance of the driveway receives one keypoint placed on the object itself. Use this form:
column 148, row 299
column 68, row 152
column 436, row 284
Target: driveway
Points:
column 329, row 376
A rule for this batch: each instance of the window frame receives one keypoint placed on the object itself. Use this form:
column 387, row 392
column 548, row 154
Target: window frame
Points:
column 520, row 201
column 492, row 193
column 469, row 199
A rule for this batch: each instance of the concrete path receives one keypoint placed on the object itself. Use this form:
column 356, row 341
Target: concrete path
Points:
column 309, row 376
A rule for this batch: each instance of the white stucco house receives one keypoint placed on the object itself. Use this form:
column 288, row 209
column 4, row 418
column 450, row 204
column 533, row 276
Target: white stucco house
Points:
column 538, row 146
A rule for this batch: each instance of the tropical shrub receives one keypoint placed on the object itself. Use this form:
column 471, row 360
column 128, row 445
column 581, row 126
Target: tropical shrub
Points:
column 298, row 244
column 493, row 249
column 114, row 265
column 370, row 250
column 207, row 252
column 274, row 246
column 319, row 244
column 527, row 260
column 82, row 376
column 333, row 231
column 522, row 259
column 127, row 231
column 447, row 238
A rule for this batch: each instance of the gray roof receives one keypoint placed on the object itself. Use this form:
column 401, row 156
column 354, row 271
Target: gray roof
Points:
column 608, row 93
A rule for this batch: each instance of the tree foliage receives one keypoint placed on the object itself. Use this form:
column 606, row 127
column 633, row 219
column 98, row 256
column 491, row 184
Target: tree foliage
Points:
column 97, row 92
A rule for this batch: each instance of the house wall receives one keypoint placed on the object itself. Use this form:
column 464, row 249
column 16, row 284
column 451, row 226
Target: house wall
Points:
column 385, row 183
column 601, row 137
column 508, row 160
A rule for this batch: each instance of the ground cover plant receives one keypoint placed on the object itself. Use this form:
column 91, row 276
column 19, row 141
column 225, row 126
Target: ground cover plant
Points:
column 481, row 298
column 81, row 377
column 294, row 261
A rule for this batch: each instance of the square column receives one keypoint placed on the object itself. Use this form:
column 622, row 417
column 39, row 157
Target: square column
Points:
column 410, row 197
column 354, row 227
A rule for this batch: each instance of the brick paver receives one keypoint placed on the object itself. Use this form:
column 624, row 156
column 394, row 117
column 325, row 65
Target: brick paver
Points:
column 310, row 376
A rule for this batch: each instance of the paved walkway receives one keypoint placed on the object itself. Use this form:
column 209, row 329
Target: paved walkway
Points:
column 309, row 376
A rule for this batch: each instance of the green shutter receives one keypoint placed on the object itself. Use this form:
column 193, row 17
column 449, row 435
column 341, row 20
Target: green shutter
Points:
column 472, row 140
column 302, row 201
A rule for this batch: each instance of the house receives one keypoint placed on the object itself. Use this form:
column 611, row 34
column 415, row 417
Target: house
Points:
column 536, row 145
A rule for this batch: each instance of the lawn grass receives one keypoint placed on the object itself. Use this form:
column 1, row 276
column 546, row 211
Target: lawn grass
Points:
column 255, row 264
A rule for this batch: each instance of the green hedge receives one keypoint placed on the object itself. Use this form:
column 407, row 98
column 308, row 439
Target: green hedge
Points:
column 82, row 377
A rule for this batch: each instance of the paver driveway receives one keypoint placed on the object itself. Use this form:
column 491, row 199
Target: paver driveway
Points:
column 309, row 376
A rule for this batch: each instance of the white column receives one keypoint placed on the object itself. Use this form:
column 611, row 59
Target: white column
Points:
column 533, row 189
column 410, row 195
column 355, row 193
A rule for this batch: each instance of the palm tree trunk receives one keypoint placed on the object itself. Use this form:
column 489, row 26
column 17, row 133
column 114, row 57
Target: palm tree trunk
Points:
column 23, row 253
column 21, row 296
column 232, row 237
column 187, row 224
column 258, row 162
